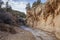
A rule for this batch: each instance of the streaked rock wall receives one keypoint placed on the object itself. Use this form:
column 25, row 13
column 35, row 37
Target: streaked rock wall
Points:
column 46, row 17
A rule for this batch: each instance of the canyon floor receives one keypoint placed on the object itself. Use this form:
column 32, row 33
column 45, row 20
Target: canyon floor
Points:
column 26, row 33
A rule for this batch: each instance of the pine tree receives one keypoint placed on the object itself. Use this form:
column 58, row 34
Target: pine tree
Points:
column 1, row 2
column 28, row 6
column 38, row 2
column 8, row 7
column 34, row 4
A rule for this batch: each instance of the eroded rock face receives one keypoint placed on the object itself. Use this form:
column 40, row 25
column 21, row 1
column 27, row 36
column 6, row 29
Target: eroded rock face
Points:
column 47, row 18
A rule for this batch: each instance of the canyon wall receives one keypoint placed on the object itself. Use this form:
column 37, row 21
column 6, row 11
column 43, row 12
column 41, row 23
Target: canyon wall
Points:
column 45, row 17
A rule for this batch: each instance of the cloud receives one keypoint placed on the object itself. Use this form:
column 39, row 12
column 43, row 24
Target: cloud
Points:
column 20, row 6
column 43, row 1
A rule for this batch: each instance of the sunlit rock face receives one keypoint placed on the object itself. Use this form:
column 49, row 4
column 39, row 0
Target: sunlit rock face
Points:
column 46, row 17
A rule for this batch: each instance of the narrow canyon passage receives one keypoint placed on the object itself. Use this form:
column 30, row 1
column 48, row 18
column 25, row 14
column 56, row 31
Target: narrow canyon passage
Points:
column 39, row 34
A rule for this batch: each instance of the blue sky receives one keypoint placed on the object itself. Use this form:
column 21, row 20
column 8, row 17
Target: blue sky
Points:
column 20, row 4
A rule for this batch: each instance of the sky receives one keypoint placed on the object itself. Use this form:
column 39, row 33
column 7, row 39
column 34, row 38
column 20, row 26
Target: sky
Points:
column 20, row 5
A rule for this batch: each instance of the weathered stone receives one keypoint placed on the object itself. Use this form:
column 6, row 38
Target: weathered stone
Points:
column 46, row 17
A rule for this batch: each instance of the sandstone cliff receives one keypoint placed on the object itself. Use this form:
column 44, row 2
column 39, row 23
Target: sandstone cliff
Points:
column 45, row 17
